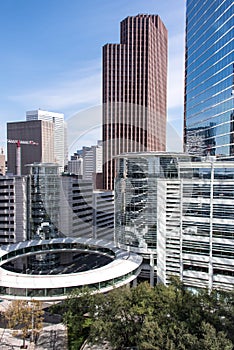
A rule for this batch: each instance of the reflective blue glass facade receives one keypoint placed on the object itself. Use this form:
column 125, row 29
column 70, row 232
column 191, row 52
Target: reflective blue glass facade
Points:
column 209, row 77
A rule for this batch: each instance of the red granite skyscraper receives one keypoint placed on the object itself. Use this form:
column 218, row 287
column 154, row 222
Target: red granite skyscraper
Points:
column 134, row 91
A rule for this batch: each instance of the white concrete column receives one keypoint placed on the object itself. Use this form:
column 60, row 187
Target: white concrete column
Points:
column 151, row 270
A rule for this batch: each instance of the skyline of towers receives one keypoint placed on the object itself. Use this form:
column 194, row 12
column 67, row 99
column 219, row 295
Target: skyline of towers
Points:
column 177, row 223
column 208, row 115
column 134, row 91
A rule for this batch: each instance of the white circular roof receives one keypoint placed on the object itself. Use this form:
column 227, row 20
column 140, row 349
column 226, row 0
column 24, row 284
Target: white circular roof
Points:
column 124, row 264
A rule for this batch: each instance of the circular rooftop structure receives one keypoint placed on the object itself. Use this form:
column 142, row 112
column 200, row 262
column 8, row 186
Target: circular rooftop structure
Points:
column 101, row 266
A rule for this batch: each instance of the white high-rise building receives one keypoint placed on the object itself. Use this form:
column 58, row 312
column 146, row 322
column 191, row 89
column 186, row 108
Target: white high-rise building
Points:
column 75, row 165
column 60, row 133
column 92, row 161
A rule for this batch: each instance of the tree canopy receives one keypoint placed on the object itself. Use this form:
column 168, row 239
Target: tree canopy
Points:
column 25, row 318
column 159, row 318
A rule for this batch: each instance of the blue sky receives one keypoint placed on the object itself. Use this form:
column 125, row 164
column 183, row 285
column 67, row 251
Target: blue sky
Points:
column 51, row 53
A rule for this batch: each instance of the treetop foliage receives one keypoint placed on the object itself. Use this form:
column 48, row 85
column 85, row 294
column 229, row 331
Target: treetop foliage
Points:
column 159, row 318
column 25, row 318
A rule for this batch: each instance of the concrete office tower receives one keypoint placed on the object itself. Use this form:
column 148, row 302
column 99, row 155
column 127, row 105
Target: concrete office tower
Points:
column 178, row 214
column 60, row 133
column 13, row 209
column 103, row 220
column 76, row 206
column 92, row 161
column 134, row 91
column 85, row 212
column 39, row 131
column 209, row 124
column 75, row 165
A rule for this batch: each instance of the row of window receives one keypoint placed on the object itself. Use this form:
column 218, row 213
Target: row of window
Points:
column 207, row 15
column 209, row 97
column 207, row 71
column 213, row 116
column 50, row 292
column 211, row 44
column 56, row 246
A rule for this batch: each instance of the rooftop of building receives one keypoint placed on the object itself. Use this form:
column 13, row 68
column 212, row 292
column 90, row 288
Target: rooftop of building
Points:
column 121, row 270
column 153, row 154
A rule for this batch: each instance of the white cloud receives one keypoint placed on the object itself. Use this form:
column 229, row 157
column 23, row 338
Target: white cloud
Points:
column 74, row 89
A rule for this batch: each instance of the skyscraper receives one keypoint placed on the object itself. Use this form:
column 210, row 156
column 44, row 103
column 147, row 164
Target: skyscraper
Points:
column 134, row 91
column 39, row 131
column 209, row 78
column 92, row 161
column 60, row 137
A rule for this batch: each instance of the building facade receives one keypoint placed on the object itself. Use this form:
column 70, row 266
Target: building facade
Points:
column 40, row 132
column 134, row 91
column 209, row 89
column 60, row 133
column 47, row 205
column 42, row 201
column 13, row 209
column 92, row 161
column 104, row 269
column 76, row 206
column 178, row 214
column 75, row 165
column 103, row 219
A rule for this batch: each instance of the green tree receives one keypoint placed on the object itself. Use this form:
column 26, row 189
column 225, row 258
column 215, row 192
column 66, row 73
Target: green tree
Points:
column 76, row 317
column 218, row 310
column 160, row 318
column 114, row 319
column 213, row 340
column 25, row 318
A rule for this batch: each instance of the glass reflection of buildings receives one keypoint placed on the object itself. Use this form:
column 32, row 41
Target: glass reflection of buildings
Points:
column 201, row 141
column 43, row 211
column 209, row 77
column 178, row 214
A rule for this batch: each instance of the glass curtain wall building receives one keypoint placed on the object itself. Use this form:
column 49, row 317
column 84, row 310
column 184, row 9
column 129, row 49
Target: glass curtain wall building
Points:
column 209, row 78
column 178, row 215
column 43, row 213
column 43, row 199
